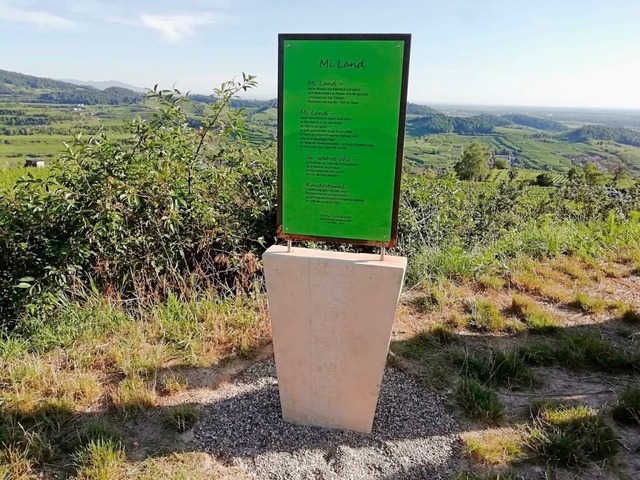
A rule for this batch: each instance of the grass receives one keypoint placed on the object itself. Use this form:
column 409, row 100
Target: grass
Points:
column 69, row 386
column 535, row 316
column 487, row 476
column 100, row 460
column 590, row 305
column 491, row 282
column 182, row 417
column 495, row 446
column 478, row 401
column 630, row 316
column 134, row 394
column 533, row 283
column 496, row 368
column 486, row 317
column 627, row 408
column 434, row 299
column 571, row 435
column 580, row 350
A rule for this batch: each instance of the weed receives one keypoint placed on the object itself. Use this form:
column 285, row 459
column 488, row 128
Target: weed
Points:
column 442, row 335
column 530, row 282
column 486, row 317
column 627, row 408
column 487, row 476
column 536, row 317
column 494, row 447
column 478, row 401
column 182, row 417
column 15, row 463
column 631, row 316
column 491, row 282
column 172, row 384
column 579, row 351
column 571, row 435
column 587, row 304
column 496, row 368
column 570, row 266
column 100, row 460
column 133, row 394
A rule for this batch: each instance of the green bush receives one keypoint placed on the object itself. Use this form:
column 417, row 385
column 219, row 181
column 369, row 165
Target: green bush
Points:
column 171, row 208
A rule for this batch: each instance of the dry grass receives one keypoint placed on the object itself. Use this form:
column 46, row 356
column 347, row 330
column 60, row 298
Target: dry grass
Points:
column 572, row 267
column 485, row 316
column 66, row 391
column 533, row 314
column 495, row 446
column 539, row 285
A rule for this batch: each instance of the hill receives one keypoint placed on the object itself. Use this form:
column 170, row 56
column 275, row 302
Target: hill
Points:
column 104, row 84
column 601, row 132
column 18, row 87
column 536, row 122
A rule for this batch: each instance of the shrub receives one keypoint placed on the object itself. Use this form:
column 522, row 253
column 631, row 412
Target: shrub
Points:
column 169, row 208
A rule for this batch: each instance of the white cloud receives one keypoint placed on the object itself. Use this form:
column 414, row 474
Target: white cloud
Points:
column 40, row 18
column 176, row 27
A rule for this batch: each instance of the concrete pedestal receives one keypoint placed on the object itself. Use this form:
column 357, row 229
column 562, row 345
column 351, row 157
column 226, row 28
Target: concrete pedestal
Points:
column 331, row 318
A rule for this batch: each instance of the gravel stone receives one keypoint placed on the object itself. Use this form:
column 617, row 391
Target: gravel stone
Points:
column 413, row 435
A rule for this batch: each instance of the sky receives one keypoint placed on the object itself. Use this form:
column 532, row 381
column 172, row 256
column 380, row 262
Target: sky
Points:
column 568, row 53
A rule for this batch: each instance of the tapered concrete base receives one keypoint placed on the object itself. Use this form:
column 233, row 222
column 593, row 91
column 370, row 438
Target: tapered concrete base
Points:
column 331, row 318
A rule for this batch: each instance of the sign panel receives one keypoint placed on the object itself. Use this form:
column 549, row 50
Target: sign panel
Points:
column 341, row 114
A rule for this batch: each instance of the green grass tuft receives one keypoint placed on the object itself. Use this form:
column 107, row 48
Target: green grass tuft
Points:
column 100, row 460
column 496, row 368
column 571, row 435
column 478, row 401
column 627, row 408
column 182, row 417
column 587, row 304
column 486, row 317
column 536, row 317
column 580, row 351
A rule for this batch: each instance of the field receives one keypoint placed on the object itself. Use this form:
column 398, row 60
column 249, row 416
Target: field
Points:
column 39, row 130
column 440, row 151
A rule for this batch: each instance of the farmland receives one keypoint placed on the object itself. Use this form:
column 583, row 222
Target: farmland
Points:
column 39, row 130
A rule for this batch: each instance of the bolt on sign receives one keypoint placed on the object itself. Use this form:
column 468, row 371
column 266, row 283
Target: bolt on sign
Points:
column 341, row 115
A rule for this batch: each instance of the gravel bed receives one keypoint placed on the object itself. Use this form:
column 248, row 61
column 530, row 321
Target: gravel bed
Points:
column 413, row 435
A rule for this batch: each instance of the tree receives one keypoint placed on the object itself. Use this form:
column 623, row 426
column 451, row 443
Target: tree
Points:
column 474, row 164
column 500, row 164
column 593, row 175
column 545, row 180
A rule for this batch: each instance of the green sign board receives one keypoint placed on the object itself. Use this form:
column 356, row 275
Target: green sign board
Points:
column 341, row 113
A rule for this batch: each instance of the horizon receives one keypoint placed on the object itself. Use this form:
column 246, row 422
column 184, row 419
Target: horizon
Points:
column 580, row 54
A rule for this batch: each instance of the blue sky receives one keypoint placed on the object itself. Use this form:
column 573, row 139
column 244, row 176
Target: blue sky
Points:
column 507, row 52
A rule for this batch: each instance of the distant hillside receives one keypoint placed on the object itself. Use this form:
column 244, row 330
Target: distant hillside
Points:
column 415, row 109
column 435, row 122
column 441, row 123
column 16, row 86
column 104, row 84
column 536, row 122
column 600, row 132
